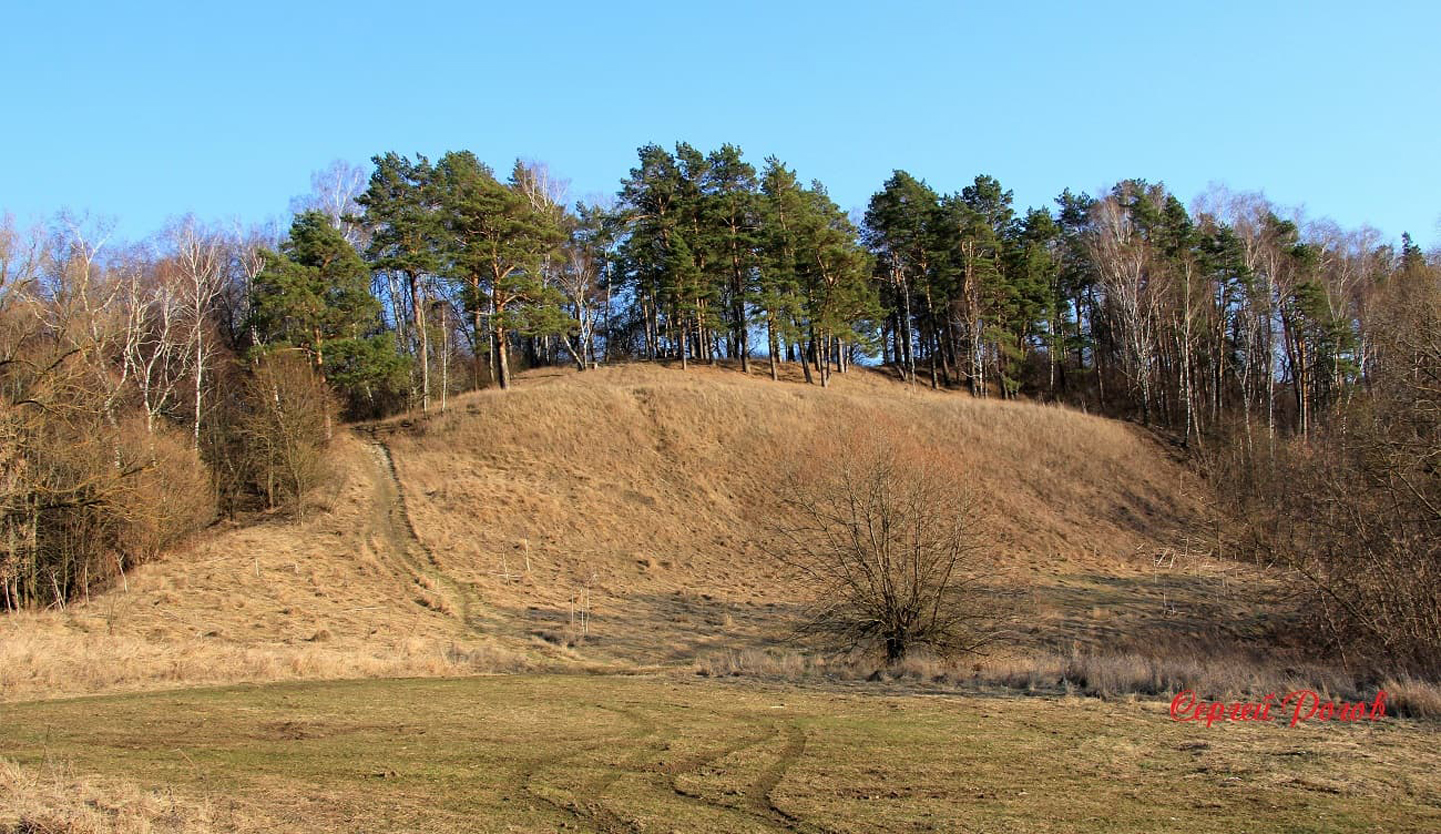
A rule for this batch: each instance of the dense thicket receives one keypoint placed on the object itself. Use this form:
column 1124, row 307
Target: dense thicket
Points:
column 1290, row 354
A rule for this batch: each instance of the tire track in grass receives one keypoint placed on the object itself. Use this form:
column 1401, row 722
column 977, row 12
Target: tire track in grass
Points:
column 672, row 774
column 585, row 807
column 588, row 802
column 761, row 794
column 758, row 803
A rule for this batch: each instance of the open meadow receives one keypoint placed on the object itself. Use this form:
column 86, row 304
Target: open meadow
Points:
column 538, row 753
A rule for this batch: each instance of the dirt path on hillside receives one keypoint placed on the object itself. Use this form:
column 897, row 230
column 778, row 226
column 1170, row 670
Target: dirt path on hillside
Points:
column 392, row 522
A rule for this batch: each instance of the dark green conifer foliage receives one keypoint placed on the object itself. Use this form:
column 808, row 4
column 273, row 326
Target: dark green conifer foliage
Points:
column 314, row 295
column 405, row 231
column 495, row 243
column 729, row 220
column 899, row 229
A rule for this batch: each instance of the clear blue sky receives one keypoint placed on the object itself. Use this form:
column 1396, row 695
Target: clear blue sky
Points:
column 148, row 110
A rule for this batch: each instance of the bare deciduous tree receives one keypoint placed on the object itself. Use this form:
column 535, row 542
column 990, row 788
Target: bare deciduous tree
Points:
column 286, row 430
column 200, row 257
column 333, row 190
column 889, row 539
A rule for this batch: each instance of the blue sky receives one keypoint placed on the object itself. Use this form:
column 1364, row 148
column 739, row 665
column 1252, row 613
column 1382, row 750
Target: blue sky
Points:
column 143, row 111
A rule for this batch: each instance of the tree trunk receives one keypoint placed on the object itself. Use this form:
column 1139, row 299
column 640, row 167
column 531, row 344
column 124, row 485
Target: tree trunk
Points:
column 502, row 359
column 417, row 306
column 684, row 344
column 774, row 347
column 481, row 336
column 909, row 342
column 199, row 381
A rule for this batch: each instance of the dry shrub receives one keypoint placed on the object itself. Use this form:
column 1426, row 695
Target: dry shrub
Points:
column 1352, row 511
column 288, row 427
column 170, row 496
column 888, row 534
column 270, row 433
column 84, row 503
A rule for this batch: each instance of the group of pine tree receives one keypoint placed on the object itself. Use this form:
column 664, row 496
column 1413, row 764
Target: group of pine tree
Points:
column 437, row 276
column 437, row 272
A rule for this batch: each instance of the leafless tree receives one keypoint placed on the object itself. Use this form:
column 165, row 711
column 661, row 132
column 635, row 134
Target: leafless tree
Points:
column 1123, row 259
column 889, row 539
column 200, row 257
column 86, row 485
column 580, row 280
column 333, row 190
column 286, row 428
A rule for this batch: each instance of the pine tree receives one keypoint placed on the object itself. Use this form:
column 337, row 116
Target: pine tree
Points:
column 314, row 295
column 1075, row 291
column 729, row 216
column 782, row 206
column 899, row 226
column 834, row 271
column 649, row 218
column 1029, row 310
column 404, row 242
column 495, row 242
column 699, row 294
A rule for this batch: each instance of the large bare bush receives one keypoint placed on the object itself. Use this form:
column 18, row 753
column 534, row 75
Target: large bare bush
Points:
column 286, row 427
column 1354, row 512
column 83, row 503
column 90, row 480
column 889, row 536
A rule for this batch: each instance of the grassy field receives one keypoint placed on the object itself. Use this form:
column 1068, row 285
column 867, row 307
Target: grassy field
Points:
column 668, row 753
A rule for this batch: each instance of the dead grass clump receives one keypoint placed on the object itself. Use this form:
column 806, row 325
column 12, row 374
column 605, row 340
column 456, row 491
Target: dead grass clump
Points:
column 1213, row 677
column 1414, row 698
column 52, row 800
column 487, row 659
column 778, row 664
column 1107, row 676
column 46, row 665
column 435, row 602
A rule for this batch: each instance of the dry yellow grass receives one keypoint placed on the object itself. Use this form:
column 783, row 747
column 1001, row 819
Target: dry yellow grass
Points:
column 547, row 753
column 651, row 489
column 50, row 799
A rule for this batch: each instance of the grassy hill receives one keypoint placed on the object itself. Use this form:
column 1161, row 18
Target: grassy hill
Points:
column 655, row 489
column 474, row 539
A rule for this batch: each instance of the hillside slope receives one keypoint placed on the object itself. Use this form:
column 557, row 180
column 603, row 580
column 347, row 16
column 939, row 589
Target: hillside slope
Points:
column 614, row 516
column 652, row 488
